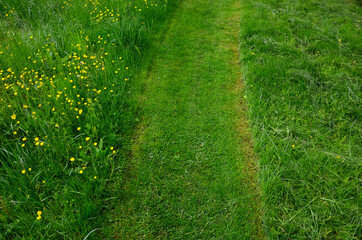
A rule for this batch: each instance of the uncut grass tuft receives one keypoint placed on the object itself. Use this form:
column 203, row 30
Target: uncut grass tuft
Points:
column 302, row 63
column 67, row 109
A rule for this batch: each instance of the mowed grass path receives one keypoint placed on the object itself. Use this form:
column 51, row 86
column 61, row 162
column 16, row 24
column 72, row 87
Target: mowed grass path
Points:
column 192, row 172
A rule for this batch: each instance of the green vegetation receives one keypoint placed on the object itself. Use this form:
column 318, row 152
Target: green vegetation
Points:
column 186, row 176
column 119, row 122
column 302, row 64
column 66, row 112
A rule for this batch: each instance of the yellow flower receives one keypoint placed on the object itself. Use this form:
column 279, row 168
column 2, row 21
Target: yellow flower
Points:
column 95, row 144
column 78, row 128
column 24, row 139
column 338, row 157
column 293, row 146
column 29, row 169
column 72, row 159
column 95, row 177
column 13, row 116
column 23, row 172
column 81, row 171
column 87, row 138
column 39, row 212
column 36, row 139
column 15, row 132
column 38, row 217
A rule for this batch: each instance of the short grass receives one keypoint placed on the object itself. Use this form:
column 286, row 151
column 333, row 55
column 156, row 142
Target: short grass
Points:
column 186, row 175
column 67, row 109
column 302, row 64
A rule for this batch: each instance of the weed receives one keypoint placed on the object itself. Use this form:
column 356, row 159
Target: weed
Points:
column 66, row 71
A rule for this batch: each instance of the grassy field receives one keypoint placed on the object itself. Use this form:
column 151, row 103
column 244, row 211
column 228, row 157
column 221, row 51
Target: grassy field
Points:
column 118, row 120
column 301, row 61
column 67, row 109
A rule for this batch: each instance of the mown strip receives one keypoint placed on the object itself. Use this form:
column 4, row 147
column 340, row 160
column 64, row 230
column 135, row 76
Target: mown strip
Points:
column 302, row 63
column 187, row 175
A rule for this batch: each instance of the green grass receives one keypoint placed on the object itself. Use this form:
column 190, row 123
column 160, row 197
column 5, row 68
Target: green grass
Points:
column 185, row 179
column 107, row 129
column 66, row 109
column 302, row 63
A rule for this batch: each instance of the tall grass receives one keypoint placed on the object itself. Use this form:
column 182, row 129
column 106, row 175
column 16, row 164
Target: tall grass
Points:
column 66, row 109
column 302, row 64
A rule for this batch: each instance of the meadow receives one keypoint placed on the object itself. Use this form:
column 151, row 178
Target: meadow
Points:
column 117, row 119
column 67, row 109
column 301, row 61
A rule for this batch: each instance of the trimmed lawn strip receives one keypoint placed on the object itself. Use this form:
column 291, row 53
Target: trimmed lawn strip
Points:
column 186, row 176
